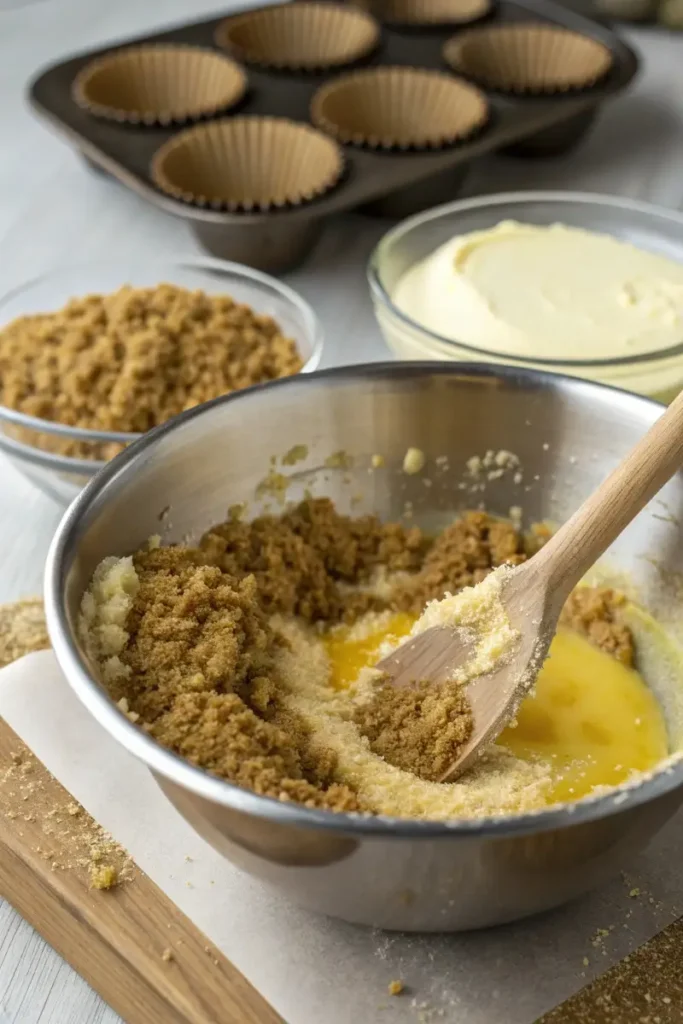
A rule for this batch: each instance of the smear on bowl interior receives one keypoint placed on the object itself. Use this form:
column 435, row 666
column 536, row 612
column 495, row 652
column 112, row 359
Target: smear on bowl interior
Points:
column 252, row 655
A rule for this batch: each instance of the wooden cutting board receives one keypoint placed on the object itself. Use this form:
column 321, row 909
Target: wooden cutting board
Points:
column 152, row 965
column 130, row 942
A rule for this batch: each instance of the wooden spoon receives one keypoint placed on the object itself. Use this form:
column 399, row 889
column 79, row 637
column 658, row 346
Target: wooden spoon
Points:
column 534, row 593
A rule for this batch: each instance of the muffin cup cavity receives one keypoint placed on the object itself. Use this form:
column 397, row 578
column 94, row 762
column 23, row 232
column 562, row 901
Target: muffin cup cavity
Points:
column 528, row 58
column 399, row 108
column 303, row 36
column 248, row 164
column 427, row 12
column 159, row 85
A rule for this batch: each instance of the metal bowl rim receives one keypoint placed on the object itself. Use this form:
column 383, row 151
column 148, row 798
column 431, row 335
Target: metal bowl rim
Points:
column 180, row 772
column 382, row 297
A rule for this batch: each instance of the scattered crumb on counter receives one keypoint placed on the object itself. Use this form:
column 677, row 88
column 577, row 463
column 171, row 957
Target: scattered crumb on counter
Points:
column 395, row 988
column 103, row 876
column 297, row 453
column 22, row 629
column 339, row 460
column 71, row 839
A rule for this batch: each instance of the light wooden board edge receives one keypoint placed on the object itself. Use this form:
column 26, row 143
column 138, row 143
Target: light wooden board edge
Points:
column 116, row 939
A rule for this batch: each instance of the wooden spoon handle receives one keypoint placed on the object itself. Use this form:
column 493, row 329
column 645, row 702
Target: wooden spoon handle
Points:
column 598, row 522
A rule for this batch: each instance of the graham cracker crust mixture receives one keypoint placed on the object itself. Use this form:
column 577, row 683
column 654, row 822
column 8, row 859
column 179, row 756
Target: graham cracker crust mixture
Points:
column 218, row 651
column 130, row 360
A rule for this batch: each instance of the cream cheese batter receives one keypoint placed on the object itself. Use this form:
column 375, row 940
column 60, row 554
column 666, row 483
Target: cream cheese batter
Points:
column 551, row 292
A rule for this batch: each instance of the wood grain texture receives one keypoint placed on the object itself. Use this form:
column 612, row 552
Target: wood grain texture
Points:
column 144, row 957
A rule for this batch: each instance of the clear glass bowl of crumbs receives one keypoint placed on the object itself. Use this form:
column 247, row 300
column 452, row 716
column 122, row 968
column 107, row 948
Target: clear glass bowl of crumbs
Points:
column 657, row 374
column 61, row 457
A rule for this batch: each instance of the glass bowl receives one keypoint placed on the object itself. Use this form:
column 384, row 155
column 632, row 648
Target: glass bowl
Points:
column 29, row 442
column 657, row 375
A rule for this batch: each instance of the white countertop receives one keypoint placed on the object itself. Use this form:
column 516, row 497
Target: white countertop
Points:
column 53, row 210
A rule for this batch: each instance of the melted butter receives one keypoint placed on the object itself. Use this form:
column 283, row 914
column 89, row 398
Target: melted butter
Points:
column 591, row 718
column 349, row 657
column 594, row 719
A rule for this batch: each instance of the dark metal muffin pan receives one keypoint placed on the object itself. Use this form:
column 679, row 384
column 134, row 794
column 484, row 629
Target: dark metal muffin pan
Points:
column 391, row 183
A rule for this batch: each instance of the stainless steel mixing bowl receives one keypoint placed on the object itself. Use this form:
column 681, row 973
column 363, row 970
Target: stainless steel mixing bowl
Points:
column 179, row 479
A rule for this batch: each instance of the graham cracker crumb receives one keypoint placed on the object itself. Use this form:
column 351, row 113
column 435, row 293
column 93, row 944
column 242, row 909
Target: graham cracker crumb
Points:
column 200, row 673
column 103, row 876
column 339, row 460
column 22, row 629
column 395, row 988
column 303, row 560
column 420, row 729
column 594, row 612
column 167, row 955
column 83, row 844
column 462, row 555
column 132, row 359
column 297, row 453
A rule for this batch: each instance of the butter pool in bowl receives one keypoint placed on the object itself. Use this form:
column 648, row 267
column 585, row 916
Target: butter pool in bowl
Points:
column 587, row 285
column 216, row 593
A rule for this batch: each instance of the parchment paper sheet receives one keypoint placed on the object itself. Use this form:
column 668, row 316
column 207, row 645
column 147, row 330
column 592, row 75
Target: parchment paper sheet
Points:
column 311, row 969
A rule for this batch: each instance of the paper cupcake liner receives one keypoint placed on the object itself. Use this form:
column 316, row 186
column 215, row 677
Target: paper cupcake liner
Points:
column 159, row 85
column 427, row 12
column 399, row 108
column 528, row 58
column 248, row 163
column 300, row 36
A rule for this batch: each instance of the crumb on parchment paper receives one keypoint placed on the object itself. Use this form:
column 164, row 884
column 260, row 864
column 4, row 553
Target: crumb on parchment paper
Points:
column 83, row 845
column 22, row 629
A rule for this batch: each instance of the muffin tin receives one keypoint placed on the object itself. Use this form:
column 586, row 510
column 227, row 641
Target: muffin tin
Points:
column 389, row 180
